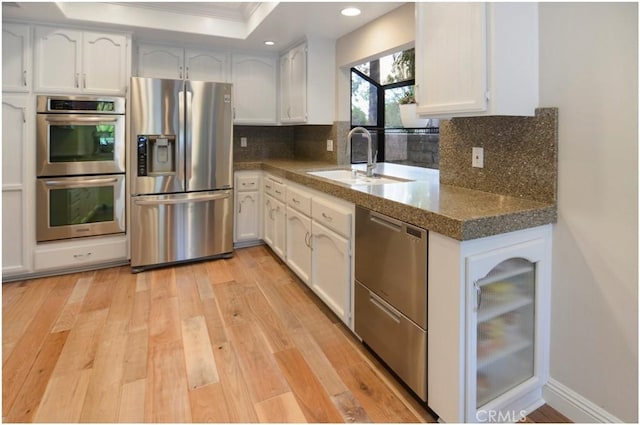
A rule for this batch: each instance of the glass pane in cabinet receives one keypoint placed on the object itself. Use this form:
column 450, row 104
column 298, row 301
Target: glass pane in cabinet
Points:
column 505, row 331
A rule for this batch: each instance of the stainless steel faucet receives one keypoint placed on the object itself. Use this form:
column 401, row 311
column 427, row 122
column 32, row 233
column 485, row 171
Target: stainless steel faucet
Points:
column 371, row 160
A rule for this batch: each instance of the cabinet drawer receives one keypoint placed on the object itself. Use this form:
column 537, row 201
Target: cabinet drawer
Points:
column 299, row 200
column 333, row 216
column 247, row 182
column 79, row 254
column 274, row 188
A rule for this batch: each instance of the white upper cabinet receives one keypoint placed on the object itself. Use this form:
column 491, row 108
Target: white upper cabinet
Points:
column 179, row 63
column 16, row 58
column 160, row 61
column 73, row 61
column 307, row 83
column 293, row 85
column 476, row 59
column 254, row 86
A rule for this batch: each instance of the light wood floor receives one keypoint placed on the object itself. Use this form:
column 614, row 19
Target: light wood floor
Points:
column 238, row 340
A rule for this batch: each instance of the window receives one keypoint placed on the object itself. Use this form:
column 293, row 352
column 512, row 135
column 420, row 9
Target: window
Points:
column 378, row 88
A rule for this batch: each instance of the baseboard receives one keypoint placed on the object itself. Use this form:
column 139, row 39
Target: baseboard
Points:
column 574, row 406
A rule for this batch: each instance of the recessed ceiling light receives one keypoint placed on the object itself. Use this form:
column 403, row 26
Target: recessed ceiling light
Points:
column 350, row 11
column 270, row 43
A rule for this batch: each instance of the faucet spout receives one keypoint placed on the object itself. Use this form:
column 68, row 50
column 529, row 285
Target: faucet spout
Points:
column 371, row 161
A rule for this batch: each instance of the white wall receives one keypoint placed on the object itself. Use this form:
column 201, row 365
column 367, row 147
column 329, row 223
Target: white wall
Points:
column 390, row 33
column 589, row 70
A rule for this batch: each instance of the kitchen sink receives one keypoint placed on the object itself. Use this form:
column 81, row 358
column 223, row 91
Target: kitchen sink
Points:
column 353, row 177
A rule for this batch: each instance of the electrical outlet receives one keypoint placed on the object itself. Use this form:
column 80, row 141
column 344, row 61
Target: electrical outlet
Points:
column 329, row 145
column 477, row 157
column 243, row 142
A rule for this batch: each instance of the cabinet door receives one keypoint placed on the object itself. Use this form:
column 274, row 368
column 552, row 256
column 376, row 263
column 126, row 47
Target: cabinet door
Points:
column 254, row 86
column 203, row 65
column 160, row 61
column 57, row 60
column 280, row 229
column 298, row 83
column 16, row 58
column 501, row 325
column 293, row 85
column 451, row 58
column 331, row 270
column 104, row 60
column 247, row 216
column 16, row 189
column 298, row 244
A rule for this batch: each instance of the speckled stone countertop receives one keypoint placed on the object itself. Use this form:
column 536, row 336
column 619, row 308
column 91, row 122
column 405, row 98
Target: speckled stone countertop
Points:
column 453, row 211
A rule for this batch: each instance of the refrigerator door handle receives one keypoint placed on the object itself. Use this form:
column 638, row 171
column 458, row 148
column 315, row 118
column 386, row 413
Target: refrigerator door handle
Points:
column 188, row 93
column 183, row 200
column 181, row 133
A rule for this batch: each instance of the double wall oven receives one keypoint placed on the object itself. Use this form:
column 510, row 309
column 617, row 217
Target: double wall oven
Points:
column 80, row 145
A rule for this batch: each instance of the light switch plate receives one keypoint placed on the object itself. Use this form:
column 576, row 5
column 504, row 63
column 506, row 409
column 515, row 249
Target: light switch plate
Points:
column 477, row 157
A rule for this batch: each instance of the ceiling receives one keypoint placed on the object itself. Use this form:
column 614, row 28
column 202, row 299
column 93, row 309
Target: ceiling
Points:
column 239, row 25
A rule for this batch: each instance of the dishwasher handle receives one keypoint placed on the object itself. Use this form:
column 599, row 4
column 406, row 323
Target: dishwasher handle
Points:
column 383, row 220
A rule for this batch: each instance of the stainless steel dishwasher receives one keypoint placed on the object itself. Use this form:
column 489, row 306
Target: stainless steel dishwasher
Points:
column 391, row 294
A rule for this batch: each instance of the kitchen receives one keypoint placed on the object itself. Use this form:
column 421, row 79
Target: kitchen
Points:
column 594, row 276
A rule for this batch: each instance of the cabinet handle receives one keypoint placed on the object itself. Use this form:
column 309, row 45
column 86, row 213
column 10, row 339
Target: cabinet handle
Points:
column 81, row 256
column 24, row 78
column 478, row 294
column 186, row 74
column 295, row 201
column 180, row 72
column 278, row 192
column 84, row 80
column 77, row 83
column 307, row 239
column 24, row 115
column 327, row 217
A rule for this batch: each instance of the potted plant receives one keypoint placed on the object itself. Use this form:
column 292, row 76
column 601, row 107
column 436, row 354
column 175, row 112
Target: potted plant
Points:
column 408, row 114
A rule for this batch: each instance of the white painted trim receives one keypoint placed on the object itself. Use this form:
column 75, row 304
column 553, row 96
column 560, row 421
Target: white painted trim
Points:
column 574, row 406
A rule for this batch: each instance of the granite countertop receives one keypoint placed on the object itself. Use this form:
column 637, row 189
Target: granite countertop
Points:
column 453, row 211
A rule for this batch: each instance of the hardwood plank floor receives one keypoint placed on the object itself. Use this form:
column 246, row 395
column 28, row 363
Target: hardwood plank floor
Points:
column 234, row 340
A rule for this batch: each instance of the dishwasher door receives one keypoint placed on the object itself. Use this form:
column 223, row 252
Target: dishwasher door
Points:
column 391, row 261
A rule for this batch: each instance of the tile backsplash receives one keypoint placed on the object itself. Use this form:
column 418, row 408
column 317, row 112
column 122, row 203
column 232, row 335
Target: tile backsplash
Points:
column 520, row 154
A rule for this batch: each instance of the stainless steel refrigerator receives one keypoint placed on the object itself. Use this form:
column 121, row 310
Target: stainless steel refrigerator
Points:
column 181, row 171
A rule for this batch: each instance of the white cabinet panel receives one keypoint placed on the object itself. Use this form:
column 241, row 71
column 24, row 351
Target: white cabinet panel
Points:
column 72, row 61
column 18, row 184
column 247, row 216
column 160, row 61
column 293, row 85
column 275, row 225
column 81, row 254
column 331, row 272
column 16, row 58
column 57, row 59
column 254, row 85
column 476, row 59
column 104, row 63
column 298, row 244
column 204, row 65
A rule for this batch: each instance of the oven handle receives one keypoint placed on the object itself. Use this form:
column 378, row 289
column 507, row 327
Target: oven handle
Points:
column 173, row 201
column 80, row 183
column 110, row 118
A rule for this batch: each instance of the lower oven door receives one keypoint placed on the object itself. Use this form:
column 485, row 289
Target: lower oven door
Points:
column 73, row 207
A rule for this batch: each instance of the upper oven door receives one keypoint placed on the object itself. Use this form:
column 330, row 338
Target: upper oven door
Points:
column 79, row 144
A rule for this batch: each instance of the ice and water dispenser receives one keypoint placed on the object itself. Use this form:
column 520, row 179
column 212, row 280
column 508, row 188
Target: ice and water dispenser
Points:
column 156, row 155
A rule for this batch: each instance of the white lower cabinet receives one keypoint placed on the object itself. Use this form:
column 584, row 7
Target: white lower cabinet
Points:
column 247, row 229
column 488, row 319
column 82, row 253
column 275, row 225
column 299, row 244
column 331, row 270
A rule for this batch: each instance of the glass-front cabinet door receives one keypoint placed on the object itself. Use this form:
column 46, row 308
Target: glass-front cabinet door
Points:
column 502, row 329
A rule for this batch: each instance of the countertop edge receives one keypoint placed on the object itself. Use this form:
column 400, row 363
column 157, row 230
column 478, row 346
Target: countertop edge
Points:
column 461, row 230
